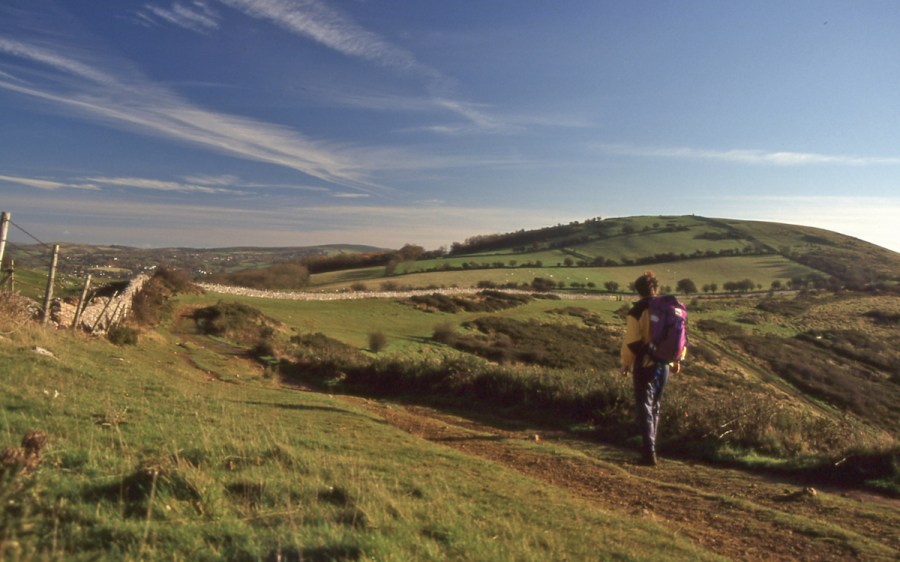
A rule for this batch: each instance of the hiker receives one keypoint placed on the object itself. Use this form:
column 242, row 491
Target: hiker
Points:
column 649, row 374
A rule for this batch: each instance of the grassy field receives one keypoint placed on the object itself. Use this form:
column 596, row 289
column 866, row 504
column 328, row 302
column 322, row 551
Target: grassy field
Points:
column 33, row 284
column 407, row 328
column 153, row 455
column 763, row 270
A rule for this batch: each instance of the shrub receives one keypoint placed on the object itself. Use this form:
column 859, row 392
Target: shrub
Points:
column 551, row 345
column 223, row 318
column 542, row 284
column 822, row 370
column 783, row 307
column 444, row 333
column 15, row 309
column 359, row 287
column 377, row 341
column 122, row 335
column 285, row 276
column 484, row 301
column 151, row 301
column 177, row 280
column 686, row 286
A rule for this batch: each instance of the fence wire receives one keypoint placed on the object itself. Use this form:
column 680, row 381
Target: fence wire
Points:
column 37, row 257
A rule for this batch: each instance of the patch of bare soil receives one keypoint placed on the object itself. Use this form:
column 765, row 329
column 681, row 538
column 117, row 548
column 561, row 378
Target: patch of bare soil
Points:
column 734, row 513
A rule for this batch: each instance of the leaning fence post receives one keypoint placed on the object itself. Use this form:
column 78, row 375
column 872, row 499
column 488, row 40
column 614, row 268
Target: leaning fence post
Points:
column 105, row 308
column 50, row 280
column 81, row 302
column 4, row 231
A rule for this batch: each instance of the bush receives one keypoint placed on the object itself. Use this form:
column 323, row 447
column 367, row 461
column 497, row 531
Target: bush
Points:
column 151, row 301
column 444, row 333
column 506, row 340
column 484, row 301
column 223, row 318
column 121, row 335
column 177, row 280
column 284, row 276
column 817, row 365
column 377, row 341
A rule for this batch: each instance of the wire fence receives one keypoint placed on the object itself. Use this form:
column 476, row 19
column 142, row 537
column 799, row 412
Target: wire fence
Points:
column 35, row 269
column 31, row 255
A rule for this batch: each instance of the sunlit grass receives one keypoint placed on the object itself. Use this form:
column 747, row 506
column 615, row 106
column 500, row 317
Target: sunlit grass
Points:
column 151, row 459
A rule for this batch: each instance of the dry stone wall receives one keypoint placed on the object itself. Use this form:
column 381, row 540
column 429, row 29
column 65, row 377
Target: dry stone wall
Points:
column 101, row 313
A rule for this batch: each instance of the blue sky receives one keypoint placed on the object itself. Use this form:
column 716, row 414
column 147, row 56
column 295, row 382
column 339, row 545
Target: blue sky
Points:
column 211, row 123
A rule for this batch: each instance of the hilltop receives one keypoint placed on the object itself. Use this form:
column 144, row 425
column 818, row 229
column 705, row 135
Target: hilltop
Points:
column 590, row 254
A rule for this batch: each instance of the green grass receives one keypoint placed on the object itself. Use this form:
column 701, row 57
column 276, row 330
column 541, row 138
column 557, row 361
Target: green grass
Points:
column 149, row 459
column 763, row 270
column 406, row 327
column 33, row 284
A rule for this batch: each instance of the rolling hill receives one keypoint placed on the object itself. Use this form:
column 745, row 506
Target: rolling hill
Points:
column 596, row 251
column 479, row 425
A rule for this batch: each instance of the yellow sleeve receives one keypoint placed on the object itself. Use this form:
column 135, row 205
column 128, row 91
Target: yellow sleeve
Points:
column 632, row 337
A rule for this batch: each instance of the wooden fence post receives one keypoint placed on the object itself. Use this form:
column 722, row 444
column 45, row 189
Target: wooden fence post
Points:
column 102, row 312
column 81, row 302
column 50, row 281
column 4, row 230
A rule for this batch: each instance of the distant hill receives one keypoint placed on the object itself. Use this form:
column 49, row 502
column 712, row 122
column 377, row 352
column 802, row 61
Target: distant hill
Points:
column 664, row 239
column 118, row 260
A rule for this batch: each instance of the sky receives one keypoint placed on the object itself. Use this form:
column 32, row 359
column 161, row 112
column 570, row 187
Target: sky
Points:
column 213, row 123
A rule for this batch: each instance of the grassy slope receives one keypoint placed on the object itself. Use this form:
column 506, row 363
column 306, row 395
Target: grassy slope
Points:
column 635, row 238
column 720, row 370
column 33, row 284
column 762, row 270
column 247, row 470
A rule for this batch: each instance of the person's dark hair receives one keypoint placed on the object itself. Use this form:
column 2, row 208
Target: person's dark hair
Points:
column 646, row 285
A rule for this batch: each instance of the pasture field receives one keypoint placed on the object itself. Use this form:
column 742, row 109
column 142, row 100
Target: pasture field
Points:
column 33, row 284
column 408, row 329
column 762, row 270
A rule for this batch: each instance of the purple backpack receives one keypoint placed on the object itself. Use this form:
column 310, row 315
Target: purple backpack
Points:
column 668, row 328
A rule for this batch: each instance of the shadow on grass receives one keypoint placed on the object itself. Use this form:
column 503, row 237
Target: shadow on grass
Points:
column 304, row 407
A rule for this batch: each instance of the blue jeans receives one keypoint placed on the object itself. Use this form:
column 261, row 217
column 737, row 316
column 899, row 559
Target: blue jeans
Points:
column 649, row 383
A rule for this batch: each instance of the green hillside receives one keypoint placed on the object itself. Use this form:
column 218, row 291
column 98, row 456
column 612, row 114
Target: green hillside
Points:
column 478, row 426
column 708, row 251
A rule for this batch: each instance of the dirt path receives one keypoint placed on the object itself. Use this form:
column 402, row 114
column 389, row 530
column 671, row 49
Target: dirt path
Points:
column 733, row 513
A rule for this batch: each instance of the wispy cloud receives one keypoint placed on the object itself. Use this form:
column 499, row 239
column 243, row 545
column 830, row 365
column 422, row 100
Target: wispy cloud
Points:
column 743, row 156
column 347, row 195
column 126, row 99
column 49, row 185
column 132, row 101
column 162, row 185
column 54, row 60
column 477, row 118
column 195, row 16
column 325, row 25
